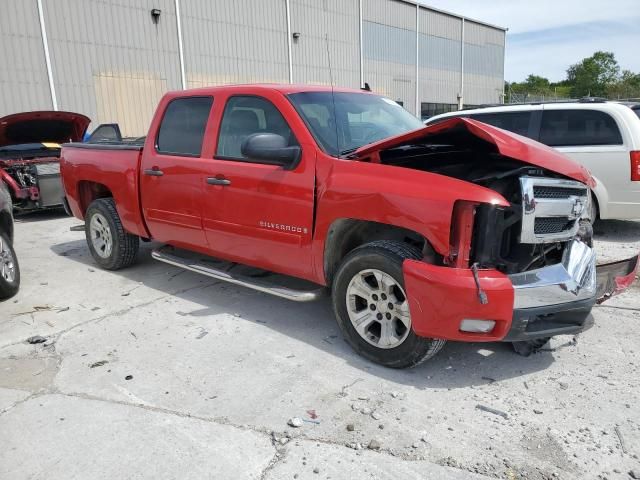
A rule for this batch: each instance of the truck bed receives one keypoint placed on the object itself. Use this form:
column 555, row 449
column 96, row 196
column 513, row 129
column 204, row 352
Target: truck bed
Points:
column 108, row 169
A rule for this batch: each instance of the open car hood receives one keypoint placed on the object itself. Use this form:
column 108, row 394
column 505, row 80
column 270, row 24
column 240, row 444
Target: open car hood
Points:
column 465, row 131
column 42, row 127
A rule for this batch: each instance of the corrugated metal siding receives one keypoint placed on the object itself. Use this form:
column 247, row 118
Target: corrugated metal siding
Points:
column 389, row 49
column 322, row 22
column 483, row 64
column 439, row 50
column 106, row 53
column 239, row 41
column 24, row 84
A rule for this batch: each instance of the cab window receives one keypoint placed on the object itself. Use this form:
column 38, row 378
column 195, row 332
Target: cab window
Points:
column 182, row 128
column 245, row 115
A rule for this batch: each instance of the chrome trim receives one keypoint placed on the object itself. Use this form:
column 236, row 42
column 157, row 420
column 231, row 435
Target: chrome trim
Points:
column 168, row 255
column 571, row 280
column 574, row 207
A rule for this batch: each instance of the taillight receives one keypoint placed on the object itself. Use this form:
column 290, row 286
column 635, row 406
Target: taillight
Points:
column 635, row 166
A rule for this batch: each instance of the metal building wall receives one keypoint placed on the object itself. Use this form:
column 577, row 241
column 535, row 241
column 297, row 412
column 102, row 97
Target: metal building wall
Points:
column 322, row 23
column 24, row 84
column 440, row 55
column 483, row 64
column 234, row 41
column 110, row 61
column 389, row 49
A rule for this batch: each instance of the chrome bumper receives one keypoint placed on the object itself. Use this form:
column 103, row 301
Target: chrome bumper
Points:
column 571, row 280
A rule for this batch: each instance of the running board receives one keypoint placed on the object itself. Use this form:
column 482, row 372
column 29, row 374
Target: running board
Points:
column 77, row 228
column 222, row 271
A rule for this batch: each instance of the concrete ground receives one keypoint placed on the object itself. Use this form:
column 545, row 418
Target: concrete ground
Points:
column 152, row 372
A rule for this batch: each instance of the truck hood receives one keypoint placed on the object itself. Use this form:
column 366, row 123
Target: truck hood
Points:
column 42, row 127
column 460, row 131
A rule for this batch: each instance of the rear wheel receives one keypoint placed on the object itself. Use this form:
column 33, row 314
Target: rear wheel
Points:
column 111, row 246
column 372, row 308
column 9, row 269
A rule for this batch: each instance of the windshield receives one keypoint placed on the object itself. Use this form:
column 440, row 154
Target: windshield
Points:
column 357, row 119
column 637, row 110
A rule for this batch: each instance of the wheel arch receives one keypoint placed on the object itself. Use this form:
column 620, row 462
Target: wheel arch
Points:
column 346, row 234
column 88, row 191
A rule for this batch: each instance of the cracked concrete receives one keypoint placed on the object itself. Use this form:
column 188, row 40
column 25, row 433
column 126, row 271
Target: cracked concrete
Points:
column 164, row 374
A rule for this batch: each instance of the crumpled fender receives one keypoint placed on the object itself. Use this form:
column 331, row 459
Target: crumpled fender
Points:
column 614, row 278
column 419, row 201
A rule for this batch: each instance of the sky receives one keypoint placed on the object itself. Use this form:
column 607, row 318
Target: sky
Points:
column 545, row 37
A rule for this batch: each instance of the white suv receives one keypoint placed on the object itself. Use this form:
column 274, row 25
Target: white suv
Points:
column 603, row 136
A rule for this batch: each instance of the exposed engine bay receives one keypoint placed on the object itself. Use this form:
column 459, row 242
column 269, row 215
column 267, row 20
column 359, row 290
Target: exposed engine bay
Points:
column 32, row 175
column 547, row 210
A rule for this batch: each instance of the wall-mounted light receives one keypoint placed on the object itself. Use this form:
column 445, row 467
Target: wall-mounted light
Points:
column 296, row 35
column 155, row 15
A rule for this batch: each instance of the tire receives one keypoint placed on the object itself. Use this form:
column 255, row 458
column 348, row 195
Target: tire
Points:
column 593, row 209
column 111, row 246
column 387, row 337
column 9, row 268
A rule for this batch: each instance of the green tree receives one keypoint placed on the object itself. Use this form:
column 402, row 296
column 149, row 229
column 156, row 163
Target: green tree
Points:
column 627, row 87
column 593, row 75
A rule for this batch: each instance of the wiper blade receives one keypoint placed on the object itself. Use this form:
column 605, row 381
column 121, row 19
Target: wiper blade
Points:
column 346, row 152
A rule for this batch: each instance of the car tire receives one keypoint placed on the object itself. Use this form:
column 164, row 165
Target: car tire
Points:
column 111, row 246
column 9, row 268
column 368, row 290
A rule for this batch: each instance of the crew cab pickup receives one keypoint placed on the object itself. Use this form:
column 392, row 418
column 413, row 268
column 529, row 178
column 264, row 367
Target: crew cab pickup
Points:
column 457, row 231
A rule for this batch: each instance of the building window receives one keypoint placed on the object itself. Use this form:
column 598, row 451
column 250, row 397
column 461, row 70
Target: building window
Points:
column 428, row 110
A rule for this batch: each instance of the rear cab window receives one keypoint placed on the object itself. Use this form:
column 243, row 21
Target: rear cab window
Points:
column 183, row 125
column 244, row 116
column 564, row 128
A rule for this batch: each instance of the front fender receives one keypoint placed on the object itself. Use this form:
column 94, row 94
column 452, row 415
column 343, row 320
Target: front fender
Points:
column 419, row 201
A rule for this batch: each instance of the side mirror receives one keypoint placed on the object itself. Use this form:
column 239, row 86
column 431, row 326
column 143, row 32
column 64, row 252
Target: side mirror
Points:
column 271, row 148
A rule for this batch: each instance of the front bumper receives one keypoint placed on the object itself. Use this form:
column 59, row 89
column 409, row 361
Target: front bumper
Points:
column 540, row 303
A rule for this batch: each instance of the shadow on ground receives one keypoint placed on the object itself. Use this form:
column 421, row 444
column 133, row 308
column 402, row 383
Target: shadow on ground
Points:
column 617, row 231
column 39, row 215
column 458, row 365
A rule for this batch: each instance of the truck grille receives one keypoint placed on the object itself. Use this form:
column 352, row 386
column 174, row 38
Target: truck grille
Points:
column 551, row 209
column 547, row 225
column 541, row 191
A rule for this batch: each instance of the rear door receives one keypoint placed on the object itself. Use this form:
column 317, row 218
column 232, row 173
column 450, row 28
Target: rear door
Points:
column 173, row 171
column 256, row 213
column 593, row 138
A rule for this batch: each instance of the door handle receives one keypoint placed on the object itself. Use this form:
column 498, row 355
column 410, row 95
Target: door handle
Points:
column 153, row 172
column 218, row 181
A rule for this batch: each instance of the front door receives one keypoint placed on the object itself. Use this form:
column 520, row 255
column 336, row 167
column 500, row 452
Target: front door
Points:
column 172, row 174
column 256, row 213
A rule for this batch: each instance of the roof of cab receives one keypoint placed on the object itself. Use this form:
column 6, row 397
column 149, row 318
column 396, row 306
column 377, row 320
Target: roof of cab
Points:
column 284, row 88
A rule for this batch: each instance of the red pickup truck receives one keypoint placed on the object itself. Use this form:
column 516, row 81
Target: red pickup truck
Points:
column 457, row 231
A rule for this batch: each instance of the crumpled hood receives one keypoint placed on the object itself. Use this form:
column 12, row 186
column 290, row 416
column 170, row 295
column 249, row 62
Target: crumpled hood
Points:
column 458, row 130
column 42, row 127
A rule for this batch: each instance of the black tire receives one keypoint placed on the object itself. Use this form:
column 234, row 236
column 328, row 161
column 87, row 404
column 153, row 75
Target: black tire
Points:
column 386, row 256
column 124, row 246
column 594, row 212
column 8, row 286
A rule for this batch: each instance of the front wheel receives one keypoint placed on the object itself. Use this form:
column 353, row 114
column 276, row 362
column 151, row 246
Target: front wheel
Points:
column 9, row 269
column 372, row 308
column 111, row 246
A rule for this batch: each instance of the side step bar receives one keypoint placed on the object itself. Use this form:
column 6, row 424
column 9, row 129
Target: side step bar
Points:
column 195, row 263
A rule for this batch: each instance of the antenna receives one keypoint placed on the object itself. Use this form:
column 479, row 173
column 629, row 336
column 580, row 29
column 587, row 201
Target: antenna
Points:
column 333, row 95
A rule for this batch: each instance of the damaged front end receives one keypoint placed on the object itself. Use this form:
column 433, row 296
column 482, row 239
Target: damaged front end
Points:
column 30, row 155
column 516, row 273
